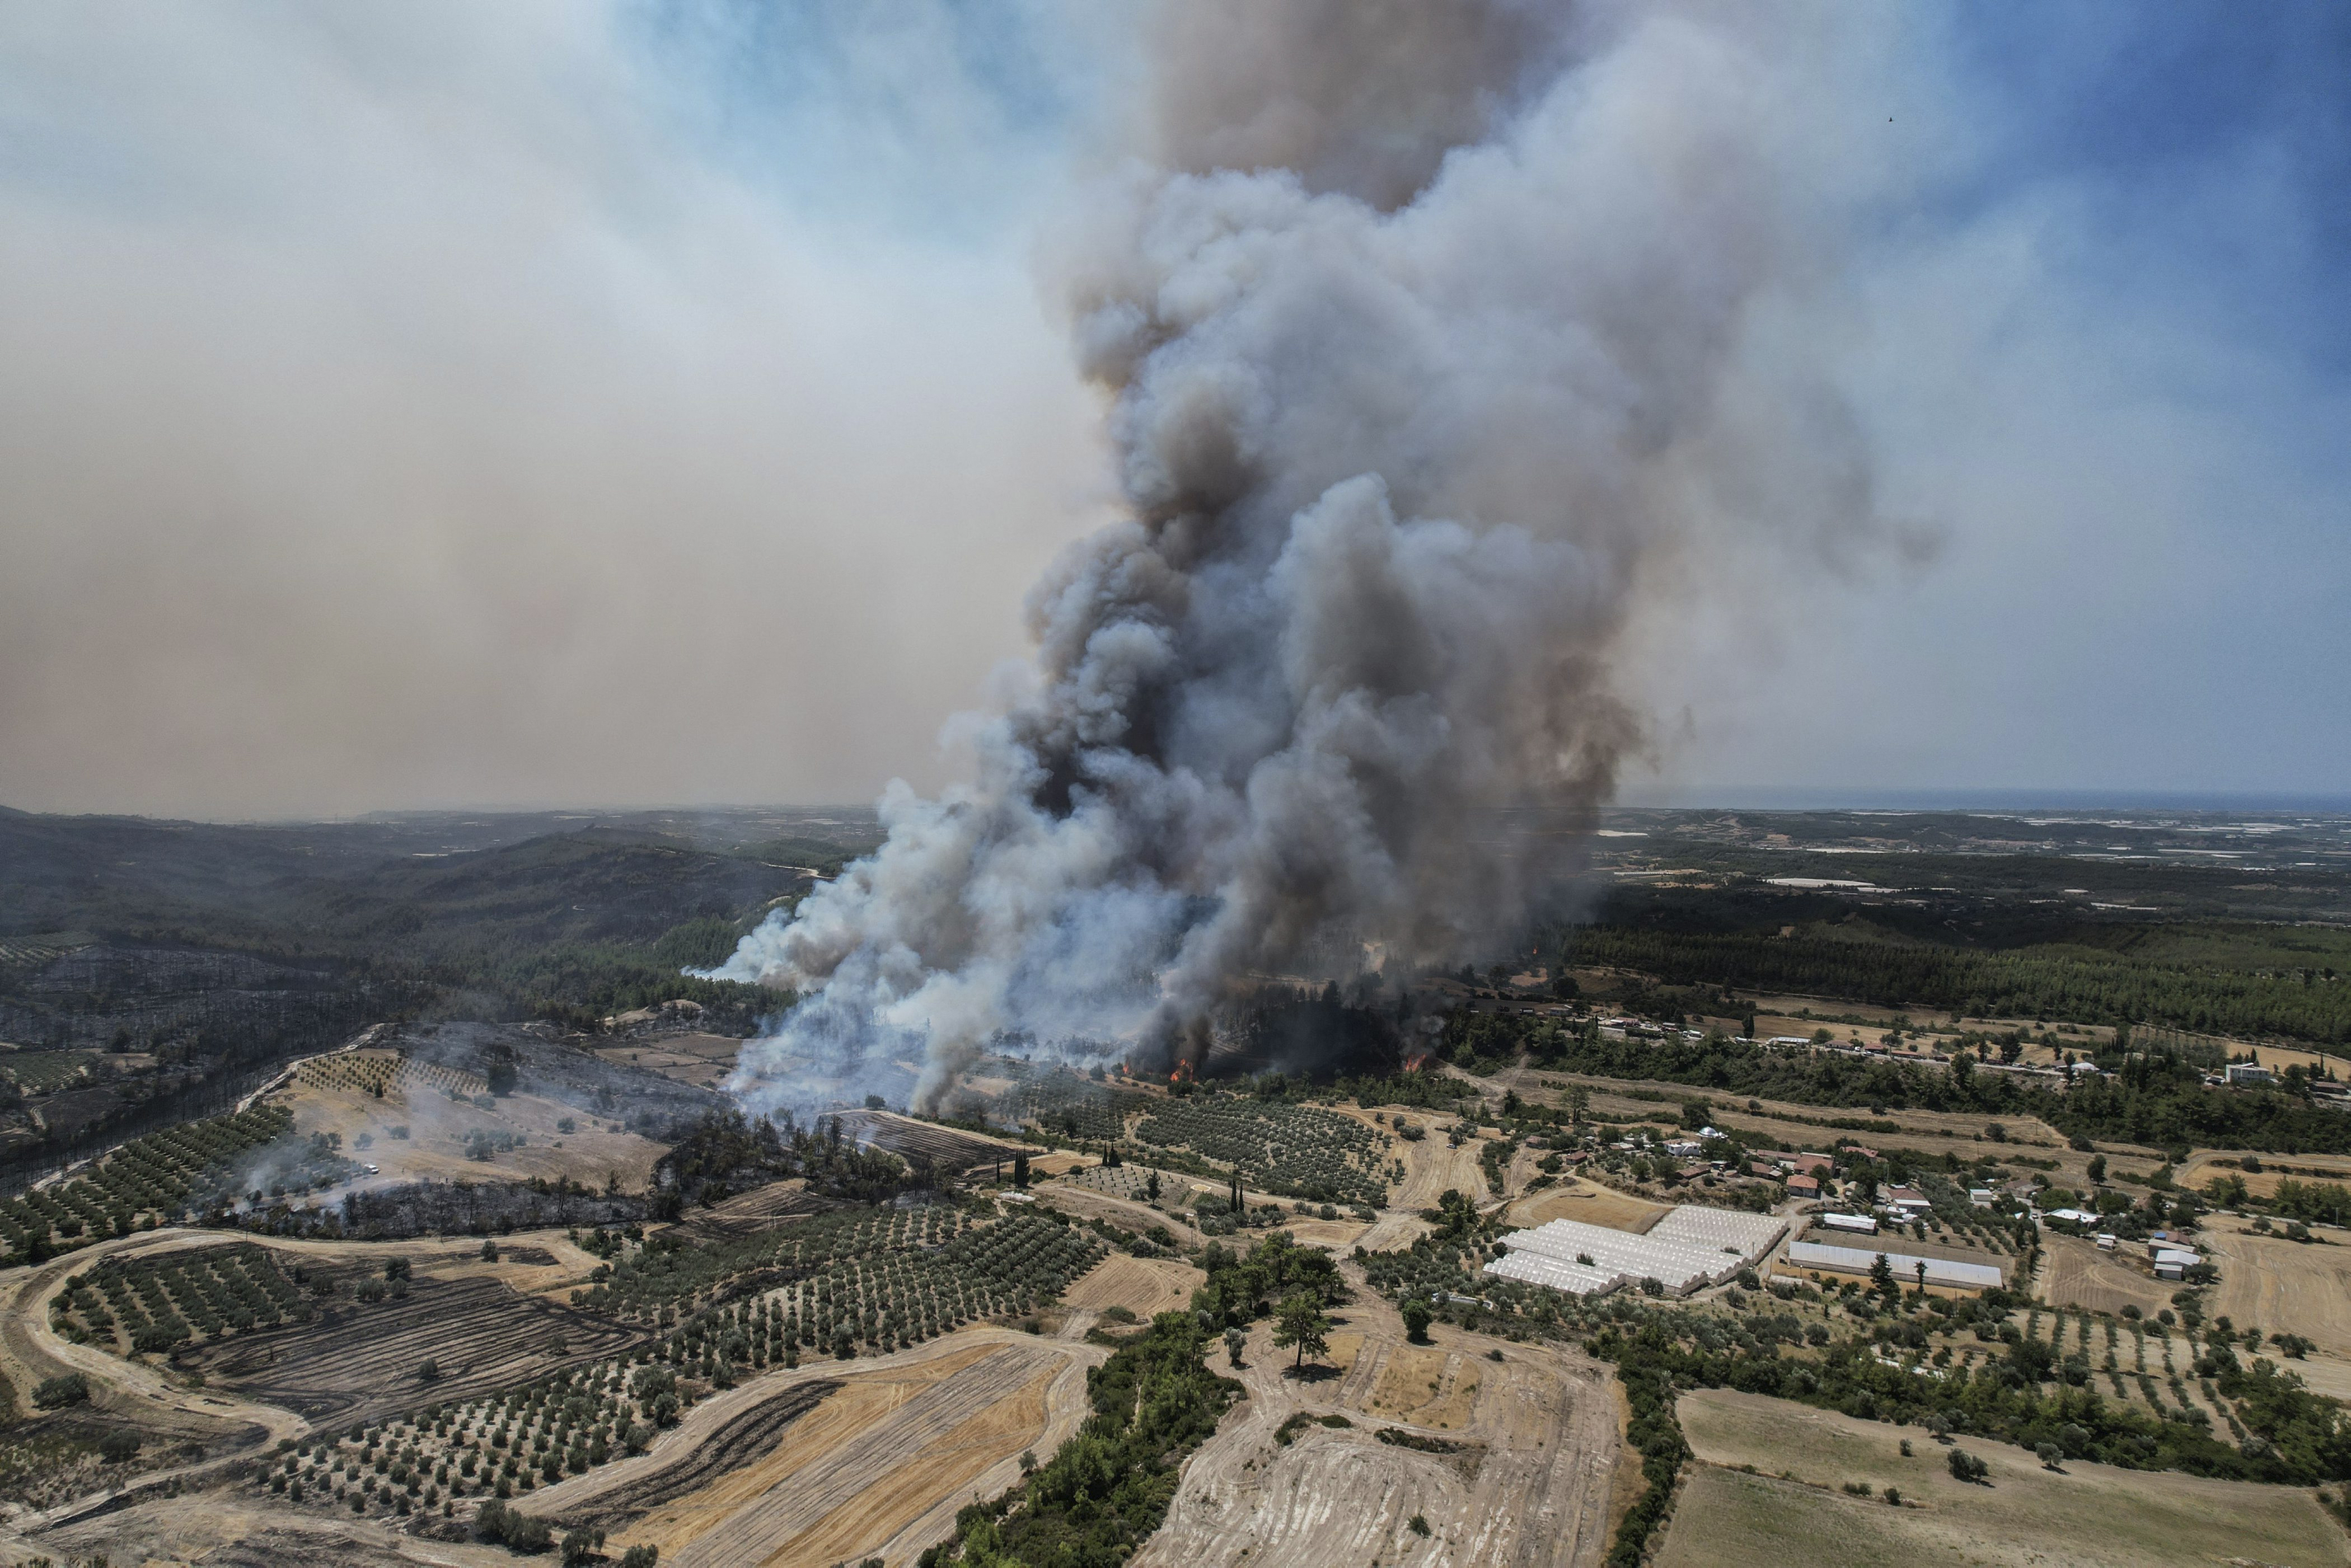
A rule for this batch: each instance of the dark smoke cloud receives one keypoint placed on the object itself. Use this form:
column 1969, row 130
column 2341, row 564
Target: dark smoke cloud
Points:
column 1364, row 97
column 1424, row 377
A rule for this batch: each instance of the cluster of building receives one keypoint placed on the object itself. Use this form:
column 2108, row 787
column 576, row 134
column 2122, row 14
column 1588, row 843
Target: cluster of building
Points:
column 1689, row 1249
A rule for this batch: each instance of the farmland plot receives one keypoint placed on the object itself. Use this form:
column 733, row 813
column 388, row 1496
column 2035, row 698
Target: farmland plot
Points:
column 1297, row 1152
column 360, row 1362
column 2077, row 1274
column 1065, row 1104
column 2284, row 1287
column 159, row 1173
column 157, row 1302
column 947, row 1148
column 2089, row 1514
column 1518, row 1474
column 1144, row 1286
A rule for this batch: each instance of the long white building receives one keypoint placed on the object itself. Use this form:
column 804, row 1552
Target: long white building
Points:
column 1689, row 1249
column 1859, row 1261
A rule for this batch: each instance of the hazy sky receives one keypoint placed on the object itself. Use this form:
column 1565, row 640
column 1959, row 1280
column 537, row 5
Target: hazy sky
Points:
column 433, row 404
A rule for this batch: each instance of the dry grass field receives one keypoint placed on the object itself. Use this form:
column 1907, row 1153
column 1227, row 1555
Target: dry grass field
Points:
column 1577, row 1199
column 2206, row 1164
column 594, row 1151
column 1522, row 1454
column 706, row 1061
column 2282, row 1286
column 1144, row 1286
column 1432, row 1166
column 2075, row 1273
column 837, row 1463
column 2091, row 1516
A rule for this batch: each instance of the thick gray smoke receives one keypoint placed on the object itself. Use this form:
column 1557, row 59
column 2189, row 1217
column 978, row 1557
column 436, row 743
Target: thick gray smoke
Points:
column 1438, row 336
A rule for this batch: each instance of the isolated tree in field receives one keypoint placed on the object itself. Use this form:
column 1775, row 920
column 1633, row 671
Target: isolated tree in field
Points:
column 1417, row 1319
column 1019, row 1170
column 1234, row 1341
column 500, row 1075
column 1302, row 1323
column 1151, row 1186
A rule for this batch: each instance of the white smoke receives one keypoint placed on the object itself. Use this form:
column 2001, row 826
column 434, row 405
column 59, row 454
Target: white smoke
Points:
column 1426, row 370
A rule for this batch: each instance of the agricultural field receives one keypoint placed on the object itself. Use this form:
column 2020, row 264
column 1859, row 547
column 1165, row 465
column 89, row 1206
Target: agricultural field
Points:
column 160, row 1303
column 1144, row 1286
column 422, row 1120
column 358, row 1359
column 523, row 1394
column 874, row 1277
column 1132, row 1182
column 704, row 1061
column 1573, row 1198
column 2075, row 1273
column 1066, row 1104
column 147, row 1178
column 1505, row 1462
column 44, row 1071
column 1297, row 1152
column 2284, row 1287
column 848, row 1463
column 1769, row 1487
column 947, row 1148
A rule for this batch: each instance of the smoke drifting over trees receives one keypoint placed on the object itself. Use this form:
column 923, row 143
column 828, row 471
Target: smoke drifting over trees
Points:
column 1437, row 346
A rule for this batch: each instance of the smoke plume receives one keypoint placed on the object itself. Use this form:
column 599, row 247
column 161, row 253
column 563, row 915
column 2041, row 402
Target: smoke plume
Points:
column 1437, row 339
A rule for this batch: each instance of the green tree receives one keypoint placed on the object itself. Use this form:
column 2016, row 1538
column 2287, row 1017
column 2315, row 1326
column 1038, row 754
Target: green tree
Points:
column 1301, row 1323
column 1417, row 1319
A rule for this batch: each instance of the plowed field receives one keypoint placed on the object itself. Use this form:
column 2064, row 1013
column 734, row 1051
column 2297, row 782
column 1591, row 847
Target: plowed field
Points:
column 874, row 1465
column 363, row 1363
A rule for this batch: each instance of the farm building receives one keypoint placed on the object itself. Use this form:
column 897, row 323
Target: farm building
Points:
column 1803, row 1187
column 1691, row 1248
column 1809, row 1255
column 1862, row 1223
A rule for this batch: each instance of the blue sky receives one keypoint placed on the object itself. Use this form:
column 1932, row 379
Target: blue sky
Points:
column 420, row 405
